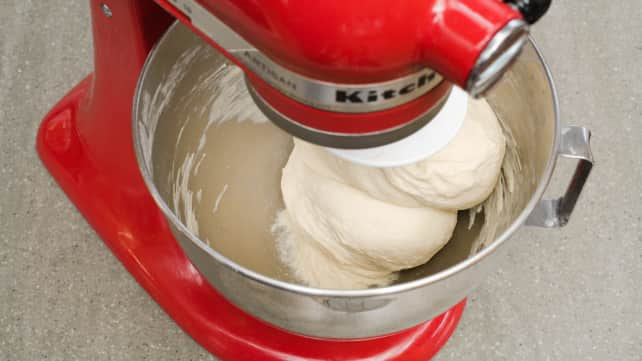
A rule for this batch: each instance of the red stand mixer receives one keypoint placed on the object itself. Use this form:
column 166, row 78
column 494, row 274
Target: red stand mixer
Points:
column 346, row 75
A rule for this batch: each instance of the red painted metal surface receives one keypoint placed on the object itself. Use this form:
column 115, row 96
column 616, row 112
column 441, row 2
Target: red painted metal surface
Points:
column 365, row 41
column 346, row 123
column 352, row 42
column 85, row 141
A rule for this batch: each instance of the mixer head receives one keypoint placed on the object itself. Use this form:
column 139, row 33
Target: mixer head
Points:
column 376, row 83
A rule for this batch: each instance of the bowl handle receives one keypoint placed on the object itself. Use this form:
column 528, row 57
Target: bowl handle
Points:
column 552, row 213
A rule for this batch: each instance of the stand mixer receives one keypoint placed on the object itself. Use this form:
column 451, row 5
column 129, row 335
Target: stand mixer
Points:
column 375, row 84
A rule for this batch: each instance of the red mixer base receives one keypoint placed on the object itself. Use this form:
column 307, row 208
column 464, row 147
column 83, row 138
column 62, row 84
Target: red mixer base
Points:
column 86, row 143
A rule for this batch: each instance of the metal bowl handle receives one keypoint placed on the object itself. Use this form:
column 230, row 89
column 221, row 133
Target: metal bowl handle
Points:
column 552, row 213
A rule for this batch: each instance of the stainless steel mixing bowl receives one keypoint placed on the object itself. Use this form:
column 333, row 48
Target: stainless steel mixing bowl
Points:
column 179, row 99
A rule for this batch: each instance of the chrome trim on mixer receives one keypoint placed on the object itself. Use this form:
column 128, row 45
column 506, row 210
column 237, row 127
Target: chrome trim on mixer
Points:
column 106, row 10
column 337, row 97
column 345, row 98
column 341, row 140
column 498, row 55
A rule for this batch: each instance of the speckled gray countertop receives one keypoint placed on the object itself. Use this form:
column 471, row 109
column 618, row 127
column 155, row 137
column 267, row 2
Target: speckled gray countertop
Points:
column 570, row 294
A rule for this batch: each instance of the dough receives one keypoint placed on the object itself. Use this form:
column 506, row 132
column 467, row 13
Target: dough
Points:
column 347, row 226
column 343, row 238
column 465, row 172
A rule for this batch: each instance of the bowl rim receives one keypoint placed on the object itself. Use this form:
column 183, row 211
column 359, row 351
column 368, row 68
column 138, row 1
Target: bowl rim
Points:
column 336, row 293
